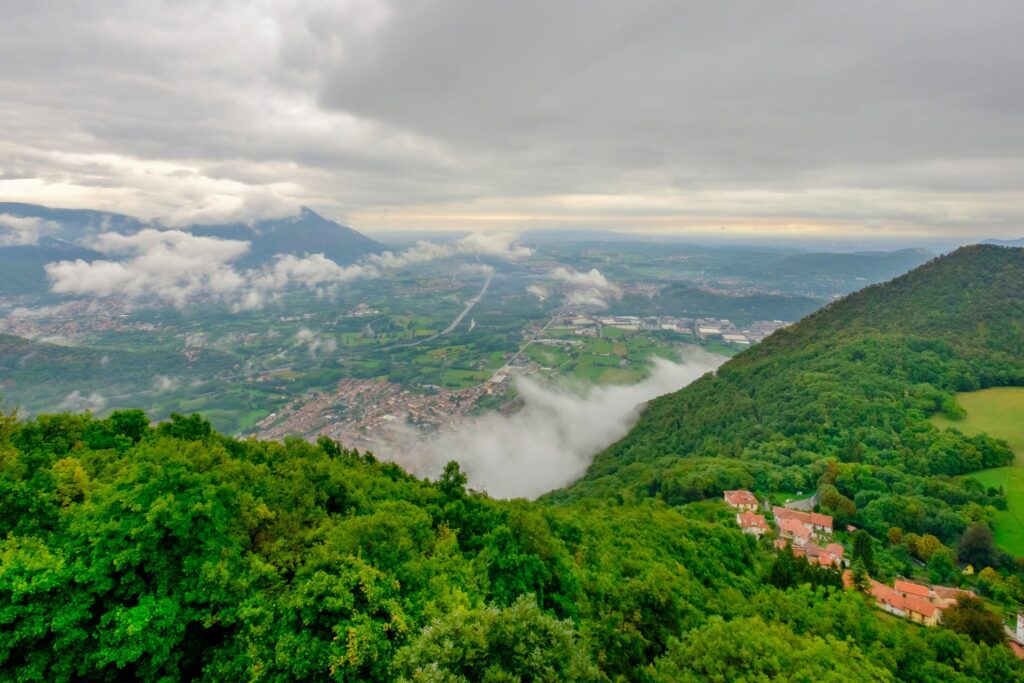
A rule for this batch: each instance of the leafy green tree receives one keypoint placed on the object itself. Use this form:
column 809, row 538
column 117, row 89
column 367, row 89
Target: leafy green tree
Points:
column 497, row 645
column 970, row 617
column 191, row 428
column 452, row 483
column 750, row 649
column 977, row 546
column 130, row 423
column 864, row 551
column 942, row 567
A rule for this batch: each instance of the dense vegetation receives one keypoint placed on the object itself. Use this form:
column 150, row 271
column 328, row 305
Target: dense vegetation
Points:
column 839, row 403
column 172, row 553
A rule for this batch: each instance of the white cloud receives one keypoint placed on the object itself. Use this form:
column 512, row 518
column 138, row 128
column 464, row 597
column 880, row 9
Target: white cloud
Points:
column 591, row 289
column 538, row 291
column 168, row 264
column 315, row 342
column 177, row 266
column 23, row 230
column 549, row 442
column 162, row 384
column 76, row 402
column 502, row 245
column 421, row 253
column 21, row 312
column 498, row 244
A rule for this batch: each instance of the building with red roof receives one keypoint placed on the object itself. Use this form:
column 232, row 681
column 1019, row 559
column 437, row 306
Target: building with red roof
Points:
column 888, row 599
column 919, row 603
column 911, row 589
column 752, row 524
column 816, row 523
column 741, row 500
column 945, row 596
column 793, row 530
column 921, row 611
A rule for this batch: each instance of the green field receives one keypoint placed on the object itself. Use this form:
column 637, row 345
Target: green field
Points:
column 1000, row 414
column 1010, row 522
column 455, row 379
column 997, row 412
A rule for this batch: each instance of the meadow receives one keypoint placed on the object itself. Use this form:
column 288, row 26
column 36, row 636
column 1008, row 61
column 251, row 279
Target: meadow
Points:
column 999, row 413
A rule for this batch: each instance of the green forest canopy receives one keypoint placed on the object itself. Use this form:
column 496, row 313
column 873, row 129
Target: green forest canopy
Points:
column 176, row 553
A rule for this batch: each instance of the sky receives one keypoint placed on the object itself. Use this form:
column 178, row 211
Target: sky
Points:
column 845, row 120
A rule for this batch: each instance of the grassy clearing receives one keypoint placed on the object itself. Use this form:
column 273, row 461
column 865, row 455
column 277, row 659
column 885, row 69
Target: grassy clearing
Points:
column 463, row 379
column 1010, row 522
column 1000, row 414
column 997, row 412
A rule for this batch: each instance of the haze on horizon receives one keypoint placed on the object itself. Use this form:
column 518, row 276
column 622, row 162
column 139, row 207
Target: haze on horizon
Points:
column 871, row 120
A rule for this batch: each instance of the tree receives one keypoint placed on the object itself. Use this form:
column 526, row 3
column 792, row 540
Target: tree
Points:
column 977, row 546
column 329, row 446
column 860, row 578
column 942, row 567
column 970, row 617
column 863, row 551
column 924, row 547
column 841, row 507
column 517, row 643
column 130, row 423
column 453, row 481
column 191, row 428
column 748, row 649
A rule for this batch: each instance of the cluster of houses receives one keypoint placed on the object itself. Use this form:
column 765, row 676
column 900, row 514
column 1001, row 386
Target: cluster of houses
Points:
column 809, row 534
column 919, row 603
column 804, row 531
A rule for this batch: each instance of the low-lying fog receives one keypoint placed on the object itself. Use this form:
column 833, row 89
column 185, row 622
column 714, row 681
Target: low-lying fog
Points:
column 549, row 442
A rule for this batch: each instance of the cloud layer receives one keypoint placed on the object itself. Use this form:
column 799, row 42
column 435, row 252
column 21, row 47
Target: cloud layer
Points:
column 178, row 267
column 551, row 441
column 805, row 118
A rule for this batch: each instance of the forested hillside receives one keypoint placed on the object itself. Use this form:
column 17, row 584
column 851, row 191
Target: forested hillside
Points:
column 839, row 403
column 174, row 553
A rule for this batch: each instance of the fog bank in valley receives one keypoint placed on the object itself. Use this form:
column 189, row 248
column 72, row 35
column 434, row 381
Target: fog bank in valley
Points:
column 552, row 439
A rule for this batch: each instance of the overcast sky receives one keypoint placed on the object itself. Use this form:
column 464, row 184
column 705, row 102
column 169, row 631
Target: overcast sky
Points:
column 898, row 119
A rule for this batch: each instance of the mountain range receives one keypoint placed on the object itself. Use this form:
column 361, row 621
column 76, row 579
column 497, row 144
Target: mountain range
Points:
column 62, row 234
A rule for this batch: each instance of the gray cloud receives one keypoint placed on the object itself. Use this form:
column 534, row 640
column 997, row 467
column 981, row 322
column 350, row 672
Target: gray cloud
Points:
column 803, row 117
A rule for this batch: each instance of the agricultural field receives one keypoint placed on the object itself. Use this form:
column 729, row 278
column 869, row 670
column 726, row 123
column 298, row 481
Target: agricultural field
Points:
column 999, row 413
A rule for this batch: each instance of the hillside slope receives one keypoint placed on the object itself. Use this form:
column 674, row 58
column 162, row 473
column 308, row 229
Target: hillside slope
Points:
column 685, row 300
column 173, row 553
column 306, row 233
column 850, row 385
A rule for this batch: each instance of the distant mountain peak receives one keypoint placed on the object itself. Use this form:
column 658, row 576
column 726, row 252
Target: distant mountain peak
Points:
column 1019, row 242
column 306, row 232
